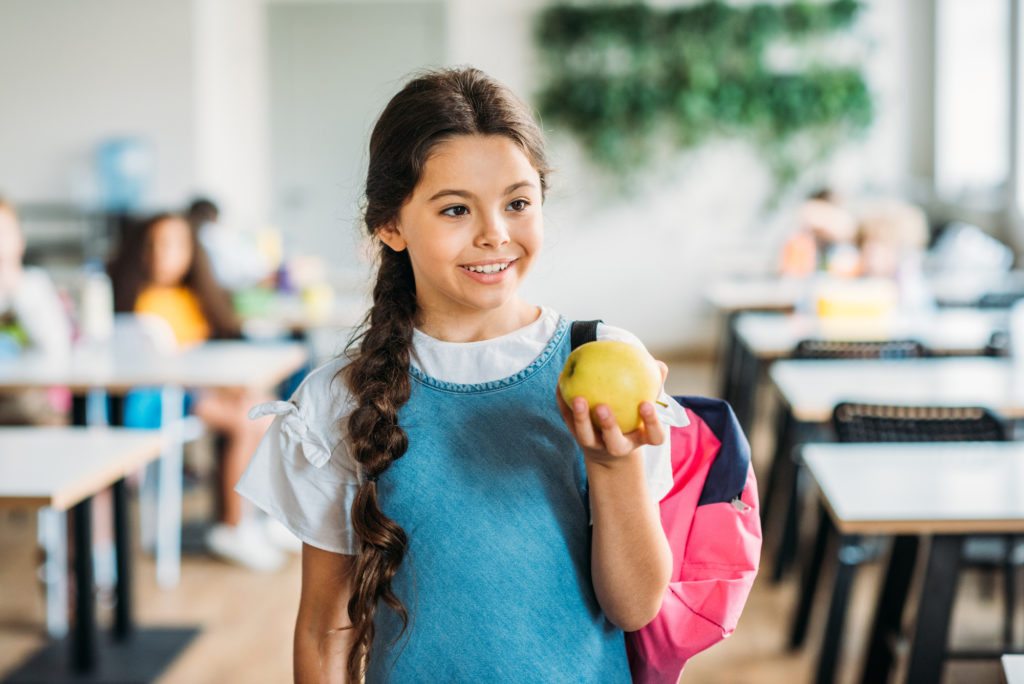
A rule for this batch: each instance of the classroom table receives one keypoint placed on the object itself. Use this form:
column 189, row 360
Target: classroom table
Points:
column 945, row 490
column 810, row 389
column 62, row 468
column 116, row 369
column 763, row 337
column 1013, row 669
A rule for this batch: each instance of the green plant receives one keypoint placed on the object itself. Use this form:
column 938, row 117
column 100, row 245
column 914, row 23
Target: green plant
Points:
column 617, row 74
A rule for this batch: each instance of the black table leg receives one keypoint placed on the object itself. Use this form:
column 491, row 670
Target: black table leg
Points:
column 845, row 571
column 745, row 386
column 933, row 614
column 784, row 424
column 809, row 582
column 84, row 647
column 726, row 359
column 889, row 611
column 123, row 626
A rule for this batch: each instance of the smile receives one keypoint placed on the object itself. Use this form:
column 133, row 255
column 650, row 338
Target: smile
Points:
column 489, row 268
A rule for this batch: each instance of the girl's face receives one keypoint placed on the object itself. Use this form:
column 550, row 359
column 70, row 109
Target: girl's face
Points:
column 472, row 226
column 170, row 252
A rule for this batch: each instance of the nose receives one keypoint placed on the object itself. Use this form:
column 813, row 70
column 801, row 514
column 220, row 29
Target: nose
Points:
column 493, row 232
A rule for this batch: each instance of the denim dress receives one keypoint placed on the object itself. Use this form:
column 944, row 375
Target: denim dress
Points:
column 492, row 493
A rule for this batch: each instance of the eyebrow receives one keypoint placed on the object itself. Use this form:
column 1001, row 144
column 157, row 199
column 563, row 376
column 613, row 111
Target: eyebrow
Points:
column 469, row 195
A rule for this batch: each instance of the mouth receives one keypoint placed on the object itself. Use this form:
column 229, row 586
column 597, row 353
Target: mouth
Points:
column 489, row 267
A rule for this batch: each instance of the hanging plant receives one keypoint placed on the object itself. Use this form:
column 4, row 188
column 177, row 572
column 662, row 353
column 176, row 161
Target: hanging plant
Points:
column 618, row 75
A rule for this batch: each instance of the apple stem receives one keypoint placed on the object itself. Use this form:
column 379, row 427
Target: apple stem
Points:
column 661, row 404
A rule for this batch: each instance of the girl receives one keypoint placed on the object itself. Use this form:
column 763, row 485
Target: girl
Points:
column 162, row 270
column 460, row 522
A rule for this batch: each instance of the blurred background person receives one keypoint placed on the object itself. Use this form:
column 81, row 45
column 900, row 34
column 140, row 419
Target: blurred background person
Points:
column 824, row 239
column 235, row 256
column 163, row 271
column 32, row 318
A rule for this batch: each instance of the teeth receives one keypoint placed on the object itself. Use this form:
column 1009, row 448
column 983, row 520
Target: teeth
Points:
column 489, row 268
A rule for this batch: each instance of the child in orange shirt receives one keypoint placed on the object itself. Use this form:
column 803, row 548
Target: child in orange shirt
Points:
column 165, row 272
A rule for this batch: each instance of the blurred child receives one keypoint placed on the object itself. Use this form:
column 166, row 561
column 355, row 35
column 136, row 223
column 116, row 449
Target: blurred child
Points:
column 32, row 318
column 235, row 257
column 824, row 240
column 166, row 272
column 890, row 231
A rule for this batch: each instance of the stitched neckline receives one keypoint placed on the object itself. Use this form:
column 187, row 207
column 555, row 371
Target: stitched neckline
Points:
column 463, row 388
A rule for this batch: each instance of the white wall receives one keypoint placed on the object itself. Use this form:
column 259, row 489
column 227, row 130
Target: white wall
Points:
column 193, row 76
column 73, row 73
column 639, row 256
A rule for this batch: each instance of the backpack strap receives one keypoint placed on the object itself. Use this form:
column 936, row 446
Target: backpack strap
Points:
column 583, row 332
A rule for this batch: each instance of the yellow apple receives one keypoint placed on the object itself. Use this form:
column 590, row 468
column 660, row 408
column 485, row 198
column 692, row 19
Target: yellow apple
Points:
column 618, row 374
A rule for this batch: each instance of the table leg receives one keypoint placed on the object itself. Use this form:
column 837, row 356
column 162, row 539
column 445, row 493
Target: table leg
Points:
column 168, row 535
column 727, row 358
column 845, row 571
column 123, row 626
column 745, row 385
column 936, row 606
column 784, row 424
column 889, row 611
column 809, row 583
column 84, row 646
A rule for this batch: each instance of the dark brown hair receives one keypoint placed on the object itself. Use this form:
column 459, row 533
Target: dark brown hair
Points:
column 431, row 109
column 129, row 275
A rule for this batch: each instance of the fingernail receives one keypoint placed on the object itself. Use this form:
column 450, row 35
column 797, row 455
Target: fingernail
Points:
column 603, row 411
column 579, row 404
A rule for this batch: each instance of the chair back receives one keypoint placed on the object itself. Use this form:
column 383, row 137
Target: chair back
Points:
column 859, row 349
column 854, row 422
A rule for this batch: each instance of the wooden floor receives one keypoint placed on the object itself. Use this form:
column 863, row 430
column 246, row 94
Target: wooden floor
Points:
column 246, row 618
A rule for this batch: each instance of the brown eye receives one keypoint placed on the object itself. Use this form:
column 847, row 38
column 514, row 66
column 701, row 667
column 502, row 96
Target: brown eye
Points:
column 457, row 210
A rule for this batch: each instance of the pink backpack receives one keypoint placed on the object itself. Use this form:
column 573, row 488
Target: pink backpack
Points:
column 713, row 526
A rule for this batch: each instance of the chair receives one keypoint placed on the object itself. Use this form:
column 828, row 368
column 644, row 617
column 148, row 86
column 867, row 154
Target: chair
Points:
column 859, row 349
column 855, row 422
column 821, row 349
column 875, row 423
column 999, row 300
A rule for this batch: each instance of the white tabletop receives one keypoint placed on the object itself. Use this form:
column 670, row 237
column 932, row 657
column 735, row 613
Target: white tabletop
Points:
column 763, row 293
column 1013, row 669
column 61, row 466
column 213, row 364
column 812, row 389
column 944, row 331
column 921, row 488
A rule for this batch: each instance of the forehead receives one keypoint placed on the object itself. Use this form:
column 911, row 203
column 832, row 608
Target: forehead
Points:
column 477, row 163
column 170, row 228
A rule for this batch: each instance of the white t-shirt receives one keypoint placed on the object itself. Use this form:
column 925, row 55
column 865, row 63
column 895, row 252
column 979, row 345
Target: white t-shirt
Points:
column 303, row 475
column 38, row 309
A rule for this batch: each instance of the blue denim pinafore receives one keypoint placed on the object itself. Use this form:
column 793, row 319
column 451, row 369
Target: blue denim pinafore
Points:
column 493, row 495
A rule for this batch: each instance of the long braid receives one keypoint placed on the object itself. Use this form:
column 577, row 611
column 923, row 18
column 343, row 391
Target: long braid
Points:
column 378, row 379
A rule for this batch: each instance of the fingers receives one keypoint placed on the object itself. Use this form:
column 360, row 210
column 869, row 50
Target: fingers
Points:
column 653, row 430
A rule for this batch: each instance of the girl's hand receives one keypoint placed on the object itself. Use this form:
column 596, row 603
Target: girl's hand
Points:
column 607, row 444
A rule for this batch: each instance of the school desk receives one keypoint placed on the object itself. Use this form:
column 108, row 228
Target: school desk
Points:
column 763, row 337
column 945, row 490
column 116, row 369
column 62, row 468
column 810, row 389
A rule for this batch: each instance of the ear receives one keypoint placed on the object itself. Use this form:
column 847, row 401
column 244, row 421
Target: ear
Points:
column 391, row 236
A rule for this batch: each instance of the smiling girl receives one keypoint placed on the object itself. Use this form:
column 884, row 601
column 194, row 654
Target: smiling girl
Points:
column 459, row 522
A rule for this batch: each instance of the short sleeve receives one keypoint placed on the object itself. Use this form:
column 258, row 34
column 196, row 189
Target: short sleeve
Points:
column 301, row 473
column 657, row 458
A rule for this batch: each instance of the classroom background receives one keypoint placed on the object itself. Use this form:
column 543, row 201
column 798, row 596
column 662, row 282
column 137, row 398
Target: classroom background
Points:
column 823, row 199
